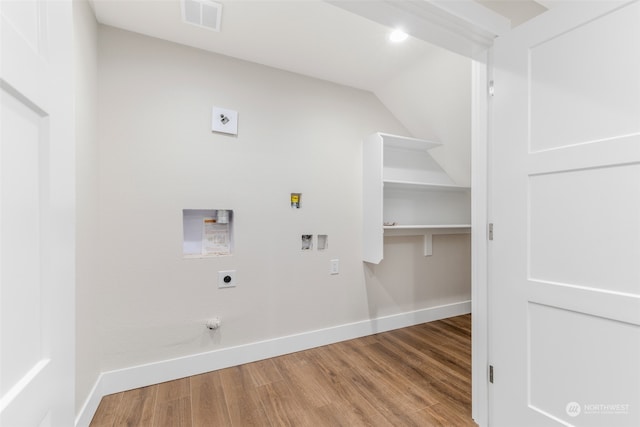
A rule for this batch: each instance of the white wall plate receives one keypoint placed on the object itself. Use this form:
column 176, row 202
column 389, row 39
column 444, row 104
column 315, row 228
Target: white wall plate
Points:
column 224, row 120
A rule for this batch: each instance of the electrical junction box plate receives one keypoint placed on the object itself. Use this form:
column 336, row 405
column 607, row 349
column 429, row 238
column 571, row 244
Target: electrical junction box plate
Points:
column 224, row 120
column 307, row 242
column 227, row 279
column 323, row 242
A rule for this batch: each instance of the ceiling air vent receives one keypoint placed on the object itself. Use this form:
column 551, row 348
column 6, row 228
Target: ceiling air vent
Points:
column 202, row 13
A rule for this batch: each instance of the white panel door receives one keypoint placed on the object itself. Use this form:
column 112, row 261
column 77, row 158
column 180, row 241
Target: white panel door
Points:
column 36, row 214
column 564, row 292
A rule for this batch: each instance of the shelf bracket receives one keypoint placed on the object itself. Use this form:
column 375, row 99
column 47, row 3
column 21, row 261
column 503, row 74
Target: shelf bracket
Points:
column 428, row 244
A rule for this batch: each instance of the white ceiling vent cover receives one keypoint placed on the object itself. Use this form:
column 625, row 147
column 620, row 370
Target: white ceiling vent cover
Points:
column 203, row 13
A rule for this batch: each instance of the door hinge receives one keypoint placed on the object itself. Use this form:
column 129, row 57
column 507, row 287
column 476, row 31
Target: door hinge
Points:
column 490, row 231
column 491, row 374
column 491, row 88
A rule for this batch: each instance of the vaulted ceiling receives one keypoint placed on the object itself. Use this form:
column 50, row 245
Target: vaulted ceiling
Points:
column 309, row 37
column 342, row 41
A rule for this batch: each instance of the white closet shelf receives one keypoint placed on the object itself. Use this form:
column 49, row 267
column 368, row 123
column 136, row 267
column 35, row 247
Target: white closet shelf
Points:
column 402, row 182
column 427, row 227
column 407, row 143
column 393, row 184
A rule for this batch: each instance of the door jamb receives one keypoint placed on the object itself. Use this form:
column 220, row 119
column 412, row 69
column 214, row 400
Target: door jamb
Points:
column 479, row 237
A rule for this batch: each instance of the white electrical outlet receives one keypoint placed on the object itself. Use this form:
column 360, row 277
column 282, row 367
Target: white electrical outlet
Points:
column 227, row 279
column 334, row 266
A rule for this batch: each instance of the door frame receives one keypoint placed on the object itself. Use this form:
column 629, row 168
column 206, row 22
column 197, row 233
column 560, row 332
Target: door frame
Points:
column 466, row 28
column 480, row 214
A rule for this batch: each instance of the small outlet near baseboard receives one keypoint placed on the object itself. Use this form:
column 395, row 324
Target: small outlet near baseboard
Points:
column 227, row 279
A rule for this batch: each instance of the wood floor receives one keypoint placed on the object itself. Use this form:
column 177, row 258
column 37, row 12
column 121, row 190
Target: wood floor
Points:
column 416, row 376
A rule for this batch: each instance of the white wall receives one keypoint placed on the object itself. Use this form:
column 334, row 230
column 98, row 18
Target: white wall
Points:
column 432, row 99
column 158, row 156
column 406, row 280
column 87, row 285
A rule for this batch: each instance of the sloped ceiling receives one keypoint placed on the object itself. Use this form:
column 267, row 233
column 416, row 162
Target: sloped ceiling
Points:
column 518, row 11
column 424, row 86
column 310, row 37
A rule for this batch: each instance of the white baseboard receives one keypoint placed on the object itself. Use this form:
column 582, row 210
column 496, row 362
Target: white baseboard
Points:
column 167, row 370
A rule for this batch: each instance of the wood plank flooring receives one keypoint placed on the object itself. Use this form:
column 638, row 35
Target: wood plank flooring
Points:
column 416, row 376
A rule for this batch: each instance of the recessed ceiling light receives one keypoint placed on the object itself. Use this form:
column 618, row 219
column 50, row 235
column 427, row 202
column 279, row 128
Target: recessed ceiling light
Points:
column 398, row 36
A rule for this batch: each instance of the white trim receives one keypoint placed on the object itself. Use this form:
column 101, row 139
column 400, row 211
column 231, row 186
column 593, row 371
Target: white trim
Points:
column 167, row 370
column 476, row 16
column 463, row 26
column 88, row 410
column 479, row 236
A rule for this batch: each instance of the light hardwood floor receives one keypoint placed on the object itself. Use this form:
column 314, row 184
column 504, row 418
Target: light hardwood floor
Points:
column 416, row 376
